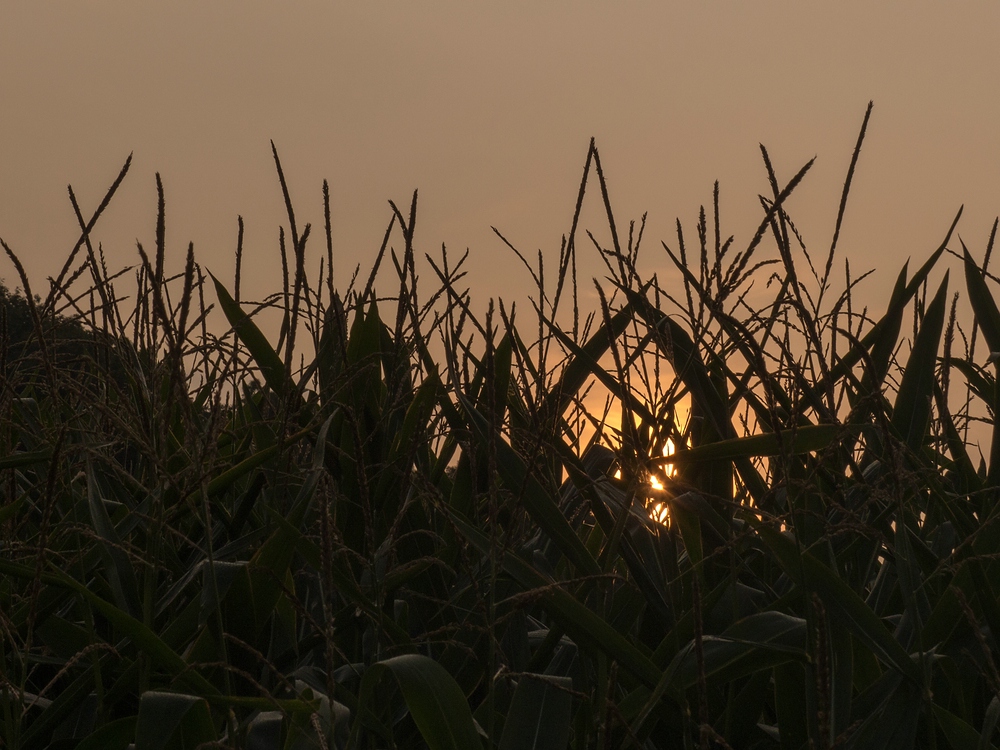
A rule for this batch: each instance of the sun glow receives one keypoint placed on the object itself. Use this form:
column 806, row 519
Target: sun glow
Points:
column 657, row 499
column 657, row 505
column 668, row 450
column 659, row 512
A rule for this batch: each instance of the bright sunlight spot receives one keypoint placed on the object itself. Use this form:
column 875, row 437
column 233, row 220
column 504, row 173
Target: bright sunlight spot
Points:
column 656, row 505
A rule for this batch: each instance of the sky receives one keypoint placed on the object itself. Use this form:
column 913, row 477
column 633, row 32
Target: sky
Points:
column 488, row 109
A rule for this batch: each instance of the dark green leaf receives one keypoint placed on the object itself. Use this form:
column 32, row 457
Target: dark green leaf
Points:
column 539, row 715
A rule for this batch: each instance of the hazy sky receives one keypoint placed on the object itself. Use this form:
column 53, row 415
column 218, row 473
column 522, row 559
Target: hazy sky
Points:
column 488, row 108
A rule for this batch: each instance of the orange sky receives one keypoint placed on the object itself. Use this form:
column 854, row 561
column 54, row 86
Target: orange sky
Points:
column 488, row 109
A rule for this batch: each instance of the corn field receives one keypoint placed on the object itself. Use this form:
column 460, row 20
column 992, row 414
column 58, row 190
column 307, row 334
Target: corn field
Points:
column 693, row 517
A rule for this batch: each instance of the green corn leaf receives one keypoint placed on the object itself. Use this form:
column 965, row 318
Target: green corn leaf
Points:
column 893, row 724
column 947, row 612
column 912, row 410
column 791, row 705
column 68, row 699
column 143, row 638
column 65, row 638
column 537, row 501
column 434, row 699
column 983, row 305
column 647, row 577
column 172, row 721
column 268, row 361
column 502, row 360
column 956, row 446
column 959, row 734
column 418, row 414
column 841, row 677
column 755, row 643
column 989, row 724
column 366, row 339
column 690, row 527
column 581, row 368
column 983, row 382
column 984, row 593
column 884, row 343
column 806, row 439
column 269, row 564
column 909, row 574
column 227, row 575
column 581, row 624
column 18, row 460
column 680, row 350
column 226, row 479
column 839, row 599
column 584, row 361
column 683, row 355
column 121, row 574
column 852, row 357
column 331, row 357
column 10, row 510
column 540, row 714
column 343, row 578
column 115, row 735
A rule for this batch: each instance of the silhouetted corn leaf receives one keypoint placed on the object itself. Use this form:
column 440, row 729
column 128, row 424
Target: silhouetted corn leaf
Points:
column 983, row 382
column 144, row 638
column 956, row 445
column 584, row 363
column 227, row 478
column 983, row 305
column 895, row 721
column 855, row 354
column 585, row 627
column 805, row 439
column 418, row 415
column 121, row 575
column 269, row 564
column 540, row 506
column 840, row 600
column 911, row 583
column 267, row 360
column 579, row 369
column 912, row 410
column 756, row 643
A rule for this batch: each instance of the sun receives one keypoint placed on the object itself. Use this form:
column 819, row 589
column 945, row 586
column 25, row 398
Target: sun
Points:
column 656, row 503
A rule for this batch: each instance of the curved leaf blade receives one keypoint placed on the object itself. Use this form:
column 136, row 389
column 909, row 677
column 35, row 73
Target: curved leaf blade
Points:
column 540, row 714
column 268, row 361
column 435, row 701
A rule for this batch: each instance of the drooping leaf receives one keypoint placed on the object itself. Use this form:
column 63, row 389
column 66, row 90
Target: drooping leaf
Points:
column 433, row 698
